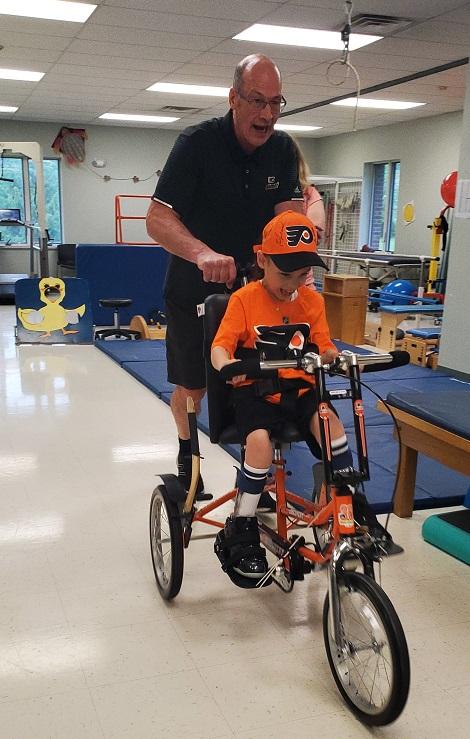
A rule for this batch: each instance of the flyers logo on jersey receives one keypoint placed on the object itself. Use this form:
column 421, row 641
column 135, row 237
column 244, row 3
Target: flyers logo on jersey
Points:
column 298, row 235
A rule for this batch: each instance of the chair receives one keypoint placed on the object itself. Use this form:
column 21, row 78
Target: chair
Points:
column 222, row 428
column 65, row 257
column 116, row 331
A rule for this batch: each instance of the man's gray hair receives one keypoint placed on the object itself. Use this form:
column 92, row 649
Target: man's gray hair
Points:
column 246, row 63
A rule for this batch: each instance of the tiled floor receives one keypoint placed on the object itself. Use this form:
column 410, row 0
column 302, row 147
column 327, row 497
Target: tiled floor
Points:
column 88, row 648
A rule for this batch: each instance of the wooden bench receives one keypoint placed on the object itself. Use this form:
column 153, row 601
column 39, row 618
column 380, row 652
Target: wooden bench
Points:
column 431, row 439
column 393, row 315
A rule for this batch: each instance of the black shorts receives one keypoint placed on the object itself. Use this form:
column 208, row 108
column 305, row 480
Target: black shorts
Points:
column 253, row 412
column 185, row 347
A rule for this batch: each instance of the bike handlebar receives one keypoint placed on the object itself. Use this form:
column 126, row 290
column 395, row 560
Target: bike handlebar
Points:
column 255, row 368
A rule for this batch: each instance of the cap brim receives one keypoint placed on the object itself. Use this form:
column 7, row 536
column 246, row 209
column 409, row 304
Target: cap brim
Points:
column 292, row 262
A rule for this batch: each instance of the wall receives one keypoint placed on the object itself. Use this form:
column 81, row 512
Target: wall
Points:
column 428, row 150
column 87, row 201
column 454, row 351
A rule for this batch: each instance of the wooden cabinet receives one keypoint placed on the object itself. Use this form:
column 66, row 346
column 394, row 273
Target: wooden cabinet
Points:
column 346, row 306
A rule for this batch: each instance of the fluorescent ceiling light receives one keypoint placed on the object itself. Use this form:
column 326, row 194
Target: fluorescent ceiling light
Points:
column 373, row 103
column 56, row 10
column 20, row 74
column 144, row 118
column 289, row 36
column 293, row 127
column 7, row 109
column 190, row 89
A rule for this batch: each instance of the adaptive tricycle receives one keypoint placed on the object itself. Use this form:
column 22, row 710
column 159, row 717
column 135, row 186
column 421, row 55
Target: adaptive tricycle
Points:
column 364, row 639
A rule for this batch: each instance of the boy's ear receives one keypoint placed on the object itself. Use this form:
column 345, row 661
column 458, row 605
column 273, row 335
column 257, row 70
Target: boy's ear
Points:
column 261, row 259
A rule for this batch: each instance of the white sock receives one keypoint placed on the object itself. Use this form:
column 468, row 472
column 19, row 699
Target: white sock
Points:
column 246, row 504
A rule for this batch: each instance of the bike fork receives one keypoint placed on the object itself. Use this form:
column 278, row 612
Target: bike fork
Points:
column 338, row 558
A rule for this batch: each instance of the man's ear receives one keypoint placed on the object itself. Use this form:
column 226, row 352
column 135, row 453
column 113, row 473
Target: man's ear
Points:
column 231, row 97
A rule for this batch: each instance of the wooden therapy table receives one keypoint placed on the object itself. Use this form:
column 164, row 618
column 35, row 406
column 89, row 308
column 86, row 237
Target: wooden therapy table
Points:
column 436, row 424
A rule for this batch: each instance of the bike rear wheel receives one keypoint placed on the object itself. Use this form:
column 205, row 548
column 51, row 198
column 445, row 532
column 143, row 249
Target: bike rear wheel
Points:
column 372, row 669
column 166, row 543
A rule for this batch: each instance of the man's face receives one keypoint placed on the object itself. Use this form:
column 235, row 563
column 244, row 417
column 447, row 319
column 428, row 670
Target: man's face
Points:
column 254, row 126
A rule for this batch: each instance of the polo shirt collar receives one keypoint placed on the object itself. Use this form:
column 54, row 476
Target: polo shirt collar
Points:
column 236, row 151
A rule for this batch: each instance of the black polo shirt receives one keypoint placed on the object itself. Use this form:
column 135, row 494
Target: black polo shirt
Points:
column 223, row 196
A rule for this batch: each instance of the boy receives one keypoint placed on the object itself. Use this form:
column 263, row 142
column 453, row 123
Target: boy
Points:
column 286, row 255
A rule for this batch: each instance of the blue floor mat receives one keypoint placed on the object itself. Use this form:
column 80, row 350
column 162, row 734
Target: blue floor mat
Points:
column 132, row 351
column 151, row 374
column 436, row 485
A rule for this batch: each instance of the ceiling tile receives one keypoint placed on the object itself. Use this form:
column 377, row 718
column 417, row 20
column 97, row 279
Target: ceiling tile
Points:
column 166, row 22
column 139, row 36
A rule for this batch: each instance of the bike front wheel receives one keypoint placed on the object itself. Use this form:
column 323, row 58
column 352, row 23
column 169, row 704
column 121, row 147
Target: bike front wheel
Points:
column 371, row 668
column 166, row 543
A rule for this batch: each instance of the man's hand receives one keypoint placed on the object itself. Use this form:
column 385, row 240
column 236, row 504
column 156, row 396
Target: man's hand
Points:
column 217, row 267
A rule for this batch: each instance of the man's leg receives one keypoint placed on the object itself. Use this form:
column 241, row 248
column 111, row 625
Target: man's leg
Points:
column 179, row 409
column 185, row 362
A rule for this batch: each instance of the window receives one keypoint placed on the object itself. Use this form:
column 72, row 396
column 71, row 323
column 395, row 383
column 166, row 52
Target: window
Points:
column 384, row 205
column 52, row 197
column 12, row 196
column 21, row 193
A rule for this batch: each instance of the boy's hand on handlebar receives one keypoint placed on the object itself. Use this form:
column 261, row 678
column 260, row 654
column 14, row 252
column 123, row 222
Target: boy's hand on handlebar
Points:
column 217, row 267
column 238, row 378
column 329, row 356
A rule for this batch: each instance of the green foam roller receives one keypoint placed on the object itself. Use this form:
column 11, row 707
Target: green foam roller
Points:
column 451, row 539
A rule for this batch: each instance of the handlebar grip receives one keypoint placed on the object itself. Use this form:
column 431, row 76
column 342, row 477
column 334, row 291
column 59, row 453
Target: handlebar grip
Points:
column 249, row 367
column 399, row 359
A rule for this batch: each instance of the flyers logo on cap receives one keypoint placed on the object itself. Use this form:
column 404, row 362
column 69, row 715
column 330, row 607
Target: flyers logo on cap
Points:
column 298, row 235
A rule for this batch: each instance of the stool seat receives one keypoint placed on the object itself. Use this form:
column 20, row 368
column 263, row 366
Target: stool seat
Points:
column 115, row 302
column 289, row 434
column 116, row 332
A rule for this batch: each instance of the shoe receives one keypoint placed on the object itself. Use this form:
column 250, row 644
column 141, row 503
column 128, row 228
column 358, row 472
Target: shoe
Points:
column 266, row 503
column 245, row 554
column 184, row 464
column 381, row 541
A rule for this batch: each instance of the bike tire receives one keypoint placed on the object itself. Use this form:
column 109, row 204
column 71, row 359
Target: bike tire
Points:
column 367, row 601
column 166, row 543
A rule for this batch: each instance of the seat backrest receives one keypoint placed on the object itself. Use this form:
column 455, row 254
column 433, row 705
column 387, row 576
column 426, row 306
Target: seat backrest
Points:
column 66, row 255
column 218, row 392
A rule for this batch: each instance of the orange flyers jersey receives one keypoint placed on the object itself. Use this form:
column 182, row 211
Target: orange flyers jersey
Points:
column 253, row 306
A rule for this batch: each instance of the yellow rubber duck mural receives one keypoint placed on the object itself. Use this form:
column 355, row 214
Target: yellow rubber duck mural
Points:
column 52, row 317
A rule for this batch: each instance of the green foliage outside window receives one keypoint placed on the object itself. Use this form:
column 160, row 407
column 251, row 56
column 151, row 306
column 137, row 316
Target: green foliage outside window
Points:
column 13, row 195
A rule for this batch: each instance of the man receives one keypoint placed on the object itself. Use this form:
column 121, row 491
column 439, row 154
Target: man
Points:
column 223, row 181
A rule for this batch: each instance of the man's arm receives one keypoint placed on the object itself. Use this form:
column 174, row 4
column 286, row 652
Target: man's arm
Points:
column 164, row 226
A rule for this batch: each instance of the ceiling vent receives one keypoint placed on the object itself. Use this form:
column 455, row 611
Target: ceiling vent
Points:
column 180, row 109
column 382, row 25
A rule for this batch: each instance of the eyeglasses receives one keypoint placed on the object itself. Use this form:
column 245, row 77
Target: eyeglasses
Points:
column 260, row 103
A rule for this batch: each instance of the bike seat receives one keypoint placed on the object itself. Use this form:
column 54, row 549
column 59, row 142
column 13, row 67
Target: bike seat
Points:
column 289, row 434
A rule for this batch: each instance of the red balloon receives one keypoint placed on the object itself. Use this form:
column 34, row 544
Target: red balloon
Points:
column 448, row 188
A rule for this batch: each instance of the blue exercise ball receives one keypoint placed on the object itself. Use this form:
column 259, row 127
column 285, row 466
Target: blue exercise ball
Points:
column 397, row 292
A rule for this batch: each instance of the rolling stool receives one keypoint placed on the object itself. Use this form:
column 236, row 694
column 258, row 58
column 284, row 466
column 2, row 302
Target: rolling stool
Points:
column 116, row 330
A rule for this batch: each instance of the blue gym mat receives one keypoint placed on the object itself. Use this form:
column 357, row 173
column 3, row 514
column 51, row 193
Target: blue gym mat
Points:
column 436, row 485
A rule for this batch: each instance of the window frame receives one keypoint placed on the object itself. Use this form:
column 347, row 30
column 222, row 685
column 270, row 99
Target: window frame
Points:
column 388, row 207
column 27, row 209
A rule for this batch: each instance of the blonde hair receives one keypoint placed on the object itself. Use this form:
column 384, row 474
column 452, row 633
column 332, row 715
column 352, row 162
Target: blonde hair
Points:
column 303, row 168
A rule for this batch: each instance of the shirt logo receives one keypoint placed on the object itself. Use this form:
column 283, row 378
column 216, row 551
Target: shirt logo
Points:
column 272, row 183
column 298, row 235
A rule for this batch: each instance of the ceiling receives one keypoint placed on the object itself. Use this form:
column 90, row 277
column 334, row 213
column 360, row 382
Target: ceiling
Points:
column 106, row 64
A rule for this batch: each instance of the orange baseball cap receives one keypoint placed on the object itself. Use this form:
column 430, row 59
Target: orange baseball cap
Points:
column 290, row 240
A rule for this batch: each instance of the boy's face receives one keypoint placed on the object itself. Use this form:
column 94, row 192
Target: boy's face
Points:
column 280, row 285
